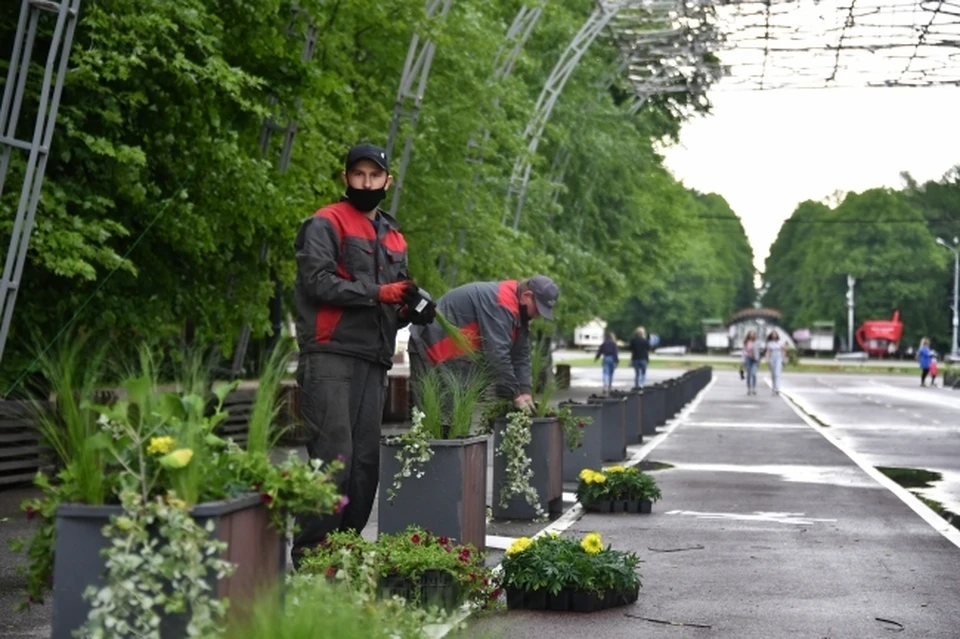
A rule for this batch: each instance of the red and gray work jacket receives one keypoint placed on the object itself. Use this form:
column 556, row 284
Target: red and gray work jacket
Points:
column 488, row 315
column 342, row 260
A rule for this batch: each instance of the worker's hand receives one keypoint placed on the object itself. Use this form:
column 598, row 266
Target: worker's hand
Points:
column 424, row 316
column 396, row 292
column 524, row 402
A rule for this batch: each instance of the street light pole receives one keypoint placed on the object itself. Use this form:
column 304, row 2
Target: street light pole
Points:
column 956, row 288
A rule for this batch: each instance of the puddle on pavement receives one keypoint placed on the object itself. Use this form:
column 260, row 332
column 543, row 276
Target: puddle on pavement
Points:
column 917, row 479
column 650, row 466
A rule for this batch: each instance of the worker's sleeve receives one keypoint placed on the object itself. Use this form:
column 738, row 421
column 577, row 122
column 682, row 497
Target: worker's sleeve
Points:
column 318, row 256
column 496, row 335
column 520, row 354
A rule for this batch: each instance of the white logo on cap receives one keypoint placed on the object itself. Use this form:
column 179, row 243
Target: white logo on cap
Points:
column 382, row 154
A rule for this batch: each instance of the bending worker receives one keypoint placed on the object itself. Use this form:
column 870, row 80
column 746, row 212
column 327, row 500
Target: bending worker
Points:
column 494, row 318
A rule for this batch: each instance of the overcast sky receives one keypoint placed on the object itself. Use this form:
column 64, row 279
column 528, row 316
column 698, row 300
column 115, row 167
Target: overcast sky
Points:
column 767, row 151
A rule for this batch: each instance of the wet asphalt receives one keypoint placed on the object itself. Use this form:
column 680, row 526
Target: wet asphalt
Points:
column 766, row 529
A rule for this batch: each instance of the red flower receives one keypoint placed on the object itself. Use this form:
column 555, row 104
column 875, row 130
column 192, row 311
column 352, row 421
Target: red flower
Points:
column 485, row 582
column 443, row 541
column 415, row 538
column 581, row 424
column 31, row 512
column 465, row 555
column 496, row 594
column 331, row 571
column 267, row 499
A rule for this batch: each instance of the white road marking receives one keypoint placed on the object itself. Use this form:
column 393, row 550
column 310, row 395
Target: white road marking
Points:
column 936, row 521
column 796, row 519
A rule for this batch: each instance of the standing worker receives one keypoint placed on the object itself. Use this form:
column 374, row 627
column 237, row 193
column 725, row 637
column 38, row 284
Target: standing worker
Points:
column 924, row 355
column 351, row 293
column 494, row 318
column 640, row 356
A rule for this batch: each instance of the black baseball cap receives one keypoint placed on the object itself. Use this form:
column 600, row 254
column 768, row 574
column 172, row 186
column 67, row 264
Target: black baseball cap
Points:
column 545, row 293
column 367, row 151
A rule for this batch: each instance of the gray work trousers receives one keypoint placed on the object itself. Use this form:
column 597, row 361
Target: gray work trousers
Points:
column 341, row 403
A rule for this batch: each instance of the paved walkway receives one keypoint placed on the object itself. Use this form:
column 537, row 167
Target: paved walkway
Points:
column 766, row 530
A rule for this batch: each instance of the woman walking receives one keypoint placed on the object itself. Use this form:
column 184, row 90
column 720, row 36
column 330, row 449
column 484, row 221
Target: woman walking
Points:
column 924, row 355
column 750, row 361
column 775, row 359
column 640, row 356
column 611, row 357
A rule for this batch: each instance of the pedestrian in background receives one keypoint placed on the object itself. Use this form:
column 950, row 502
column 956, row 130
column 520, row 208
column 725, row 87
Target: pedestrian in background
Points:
column 611, row 357
column 640, row 356
column 933, row 371
column 775, row 359
column 750, row 361
column 924, row 356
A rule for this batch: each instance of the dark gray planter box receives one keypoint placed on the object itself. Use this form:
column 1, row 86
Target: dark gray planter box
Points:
column 450, row 500
column 648, row 412
column 589, row 454
column 631, row 420
column 546, row 461
column 658, row 398
column 614, row 446
column 243, row 523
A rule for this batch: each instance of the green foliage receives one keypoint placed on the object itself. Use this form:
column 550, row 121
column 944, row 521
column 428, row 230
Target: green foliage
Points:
column 886, row 240
column 554, row 563
column 158, row 198
column 712, row 277
column 616, row 483
column 408, row 555
column 262, row 433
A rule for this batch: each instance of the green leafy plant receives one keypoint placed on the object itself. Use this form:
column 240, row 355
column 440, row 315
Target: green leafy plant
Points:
column 262, row 431
column 313, row 607
column 616, row 483
column 513, row 448
column 161, row 458
column 409, row 555
column 554, row 563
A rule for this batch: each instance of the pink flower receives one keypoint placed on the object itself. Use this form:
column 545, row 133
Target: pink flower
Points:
column 267, row 499
column 341, row 458
column 340, row 505
column 31, row 512
column 465, row 555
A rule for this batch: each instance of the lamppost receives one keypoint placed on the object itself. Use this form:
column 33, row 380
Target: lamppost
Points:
column 956, row 286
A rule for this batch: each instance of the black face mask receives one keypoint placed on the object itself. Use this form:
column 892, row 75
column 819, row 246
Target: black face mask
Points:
column 365, row 200
column 524, row 315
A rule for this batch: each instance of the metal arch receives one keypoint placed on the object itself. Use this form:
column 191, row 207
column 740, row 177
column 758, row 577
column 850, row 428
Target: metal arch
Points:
column 517, row 35
column 591, row 28
column 413, row 84
column 39, row 147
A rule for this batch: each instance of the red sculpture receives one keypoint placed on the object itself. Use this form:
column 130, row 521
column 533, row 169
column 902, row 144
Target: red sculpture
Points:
column 880, row 337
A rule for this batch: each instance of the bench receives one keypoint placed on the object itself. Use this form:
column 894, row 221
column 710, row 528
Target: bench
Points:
column 22, row 453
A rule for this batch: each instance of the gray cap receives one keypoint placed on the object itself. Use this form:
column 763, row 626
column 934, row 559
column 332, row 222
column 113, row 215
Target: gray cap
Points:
column 545, row 294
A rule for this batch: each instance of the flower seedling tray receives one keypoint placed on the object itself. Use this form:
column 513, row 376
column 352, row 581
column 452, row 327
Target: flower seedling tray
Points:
column 569, row 600
column 437, row 589
column 639, row 506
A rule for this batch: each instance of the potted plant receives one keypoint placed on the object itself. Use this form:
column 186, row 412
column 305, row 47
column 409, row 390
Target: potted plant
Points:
column 564, row 574
column 617, row 489
column 587, row 418
column 154, row 522
column 435, row 474
column 613, row 423
column 529, row 456
column 424, row 569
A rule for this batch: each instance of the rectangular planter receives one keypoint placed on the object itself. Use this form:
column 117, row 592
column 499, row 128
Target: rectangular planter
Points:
column 614, row 429
column 648, row 408
column 546, row 461
column 450, row 500
column 589, row 453
column 631, row 424
column 658, row 396
column 642, row 506
column 243, row 523
column 569, row 600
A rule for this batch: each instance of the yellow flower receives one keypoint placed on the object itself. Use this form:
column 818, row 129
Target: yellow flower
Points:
column 519, row 546
column 585, row 474
column 553, row 534
column 598, row 478
column 177, row 503
column 614, row 469
column 592, row 543
column 177, row 459
column 160, row 445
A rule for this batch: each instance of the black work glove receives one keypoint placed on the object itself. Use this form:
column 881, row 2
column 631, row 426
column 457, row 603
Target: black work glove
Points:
column 424, row 316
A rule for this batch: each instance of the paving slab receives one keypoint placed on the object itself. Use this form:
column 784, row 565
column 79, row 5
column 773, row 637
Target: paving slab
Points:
column 766, row 530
